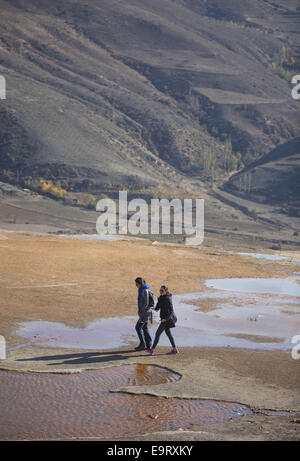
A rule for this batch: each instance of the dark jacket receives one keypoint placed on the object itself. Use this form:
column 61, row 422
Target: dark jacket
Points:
column 143, row 302
column 165, row 306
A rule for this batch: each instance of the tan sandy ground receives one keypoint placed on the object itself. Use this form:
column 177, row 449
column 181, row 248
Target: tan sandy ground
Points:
column 207, row 304
column 74, row 281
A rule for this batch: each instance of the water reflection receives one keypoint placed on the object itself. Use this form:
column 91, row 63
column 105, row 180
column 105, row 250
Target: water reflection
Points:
column 45, row 406
column 251, row 313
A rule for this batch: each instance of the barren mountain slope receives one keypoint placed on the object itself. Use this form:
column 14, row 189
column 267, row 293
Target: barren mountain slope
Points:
column 140, row 92
column 272, row 179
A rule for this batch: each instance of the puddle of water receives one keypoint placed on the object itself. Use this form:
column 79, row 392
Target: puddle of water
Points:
column 93, row 237
column 45, row 406
column 256, row 285
column 271, row 257
column 246, row 318
column 102, row 334
column 254, row 320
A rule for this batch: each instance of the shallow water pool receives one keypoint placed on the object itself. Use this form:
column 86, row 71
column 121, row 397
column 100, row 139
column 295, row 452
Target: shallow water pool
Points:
column 108, row 238
column 244, row 313
column 257, row 285
column 271, row 257
column 51, row 406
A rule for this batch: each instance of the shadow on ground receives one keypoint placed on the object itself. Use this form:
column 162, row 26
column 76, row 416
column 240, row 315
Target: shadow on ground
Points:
column 84, row 357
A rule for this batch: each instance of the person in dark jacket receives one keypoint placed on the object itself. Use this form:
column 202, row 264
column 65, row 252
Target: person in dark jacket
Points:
column 144, row 314
column 167, row 317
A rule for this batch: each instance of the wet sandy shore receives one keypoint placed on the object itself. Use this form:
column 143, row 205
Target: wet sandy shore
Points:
column 255, row 427
column 39, row 405
column 259, row 379
column 76, row 282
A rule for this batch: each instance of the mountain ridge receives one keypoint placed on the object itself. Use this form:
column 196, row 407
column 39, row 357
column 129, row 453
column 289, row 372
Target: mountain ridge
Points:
column 142, row 94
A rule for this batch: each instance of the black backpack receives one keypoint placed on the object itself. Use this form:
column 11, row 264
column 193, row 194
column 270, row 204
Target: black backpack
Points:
column 171, row 322
column 151, row 300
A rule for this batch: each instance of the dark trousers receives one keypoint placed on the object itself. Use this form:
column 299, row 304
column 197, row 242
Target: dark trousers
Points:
column 162, row 327
column 143, row 333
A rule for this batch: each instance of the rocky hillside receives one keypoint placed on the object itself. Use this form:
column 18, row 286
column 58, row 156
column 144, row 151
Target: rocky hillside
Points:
column 272, row 179
column 103, row 93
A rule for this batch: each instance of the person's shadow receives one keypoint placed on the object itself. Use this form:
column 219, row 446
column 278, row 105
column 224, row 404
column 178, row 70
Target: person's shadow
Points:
column 84, row 357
